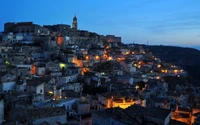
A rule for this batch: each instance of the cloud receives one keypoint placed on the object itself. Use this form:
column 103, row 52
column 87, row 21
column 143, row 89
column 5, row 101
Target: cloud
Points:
column 174, row 22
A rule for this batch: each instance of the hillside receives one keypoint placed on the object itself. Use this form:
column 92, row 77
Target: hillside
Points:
column 188, row 58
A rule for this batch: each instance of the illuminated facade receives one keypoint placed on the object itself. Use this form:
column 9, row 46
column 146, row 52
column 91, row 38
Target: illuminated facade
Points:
column 112, row 38
column 84, row 70
column 176, row 115
column 79, row 63
column 122, row 103
column 60, row 40
column 105, row 56
column 33, row 69
column 114, row 101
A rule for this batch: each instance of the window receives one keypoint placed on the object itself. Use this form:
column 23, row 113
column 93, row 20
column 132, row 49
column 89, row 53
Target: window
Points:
column 40, row 90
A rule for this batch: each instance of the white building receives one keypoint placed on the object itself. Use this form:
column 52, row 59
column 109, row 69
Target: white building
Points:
column 10, row 37
column 70, row 78
column 35, row 86
column 75, row 86
column 68, row 103
column 7, row 86
column 40, row 71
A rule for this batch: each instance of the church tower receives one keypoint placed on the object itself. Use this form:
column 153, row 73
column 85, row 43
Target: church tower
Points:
column 74, row 23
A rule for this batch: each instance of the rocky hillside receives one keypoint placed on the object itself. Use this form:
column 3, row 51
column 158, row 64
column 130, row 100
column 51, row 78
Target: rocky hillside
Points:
column 188, row 58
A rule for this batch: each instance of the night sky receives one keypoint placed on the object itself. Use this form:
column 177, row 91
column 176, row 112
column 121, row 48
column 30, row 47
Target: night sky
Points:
column 161, row 22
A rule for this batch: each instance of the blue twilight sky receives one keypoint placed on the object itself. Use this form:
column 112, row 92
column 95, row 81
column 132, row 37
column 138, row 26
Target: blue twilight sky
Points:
column 166, row 22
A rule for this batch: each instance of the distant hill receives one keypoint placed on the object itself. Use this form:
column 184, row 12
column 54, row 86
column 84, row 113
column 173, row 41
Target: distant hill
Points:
column 188, row 58
column 196, row 47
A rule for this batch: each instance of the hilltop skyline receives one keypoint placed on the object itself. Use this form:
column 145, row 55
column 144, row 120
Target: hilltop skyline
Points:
column 172, row 22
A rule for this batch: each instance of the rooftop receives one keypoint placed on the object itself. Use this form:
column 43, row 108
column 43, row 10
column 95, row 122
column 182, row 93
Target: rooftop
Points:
column 116, row 113
column 45, row 112
column 60, row 101
column 150, row 112
column 38, row 81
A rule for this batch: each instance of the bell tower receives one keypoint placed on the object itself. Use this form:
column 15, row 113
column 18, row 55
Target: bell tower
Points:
column 74, row 23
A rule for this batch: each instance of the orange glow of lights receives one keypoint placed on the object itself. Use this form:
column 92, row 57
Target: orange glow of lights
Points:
column 110, row 58
column 158, row 65
column 50, row 92
column 120, row 59
column 175, row 71
column 60, row 40
column 33, row 69
column 157, row 77
column 84, row 70
column 97, row 57
column 87, row 57
column 127, row 53
column 109, row 40
column 150, row 63
column 77, row 62
column 133, row 52
column 107, row 47
column 105, row 56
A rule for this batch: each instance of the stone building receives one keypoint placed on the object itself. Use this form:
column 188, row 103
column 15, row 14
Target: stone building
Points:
column 58, row 27
column 112, row 38
column 25, row 27
column 75, row 23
